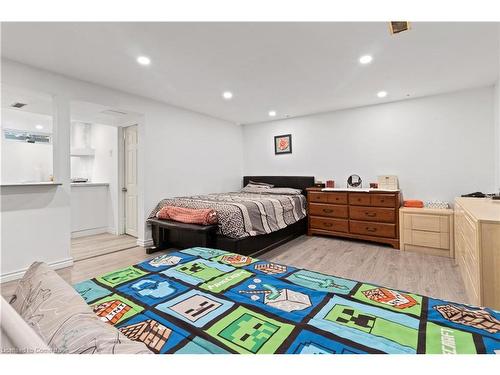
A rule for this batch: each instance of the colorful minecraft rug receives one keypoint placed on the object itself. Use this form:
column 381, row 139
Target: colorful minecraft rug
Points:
column 203, row 300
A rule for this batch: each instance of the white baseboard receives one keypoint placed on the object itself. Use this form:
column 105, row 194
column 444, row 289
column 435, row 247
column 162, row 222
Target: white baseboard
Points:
column 89, row 232
column 112, row 230
column 14, row 275
column 144, row 243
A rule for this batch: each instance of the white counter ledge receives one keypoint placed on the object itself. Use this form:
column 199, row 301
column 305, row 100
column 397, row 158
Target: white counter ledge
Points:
column 78, row 184
column 20, row 184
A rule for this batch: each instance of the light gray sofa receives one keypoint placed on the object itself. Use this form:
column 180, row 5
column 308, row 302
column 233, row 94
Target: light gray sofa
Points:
column 46, row 315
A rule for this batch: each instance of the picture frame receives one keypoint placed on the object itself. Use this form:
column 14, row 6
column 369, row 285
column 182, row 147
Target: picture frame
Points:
column 282, row 144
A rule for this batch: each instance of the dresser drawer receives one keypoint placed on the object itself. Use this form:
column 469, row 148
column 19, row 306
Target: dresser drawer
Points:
column 337, row 198
column 335, row 225
column 383, row 200
column 359, row 199
column 430, row 223
column 373, row 229
column 427, row 239
column 474, row 284
column 328, row 210
column 385, row 215
column 471, row 287
column 469, row 231
column 318, row 197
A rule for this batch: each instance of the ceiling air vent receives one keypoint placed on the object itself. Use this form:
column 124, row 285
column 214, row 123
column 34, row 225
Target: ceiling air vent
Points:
column 113, row 112
column 18, row 105
column 397, row 27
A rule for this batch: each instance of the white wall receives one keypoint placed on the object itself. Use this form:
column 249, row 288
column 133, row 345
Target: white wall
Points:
column 497, row 136
column 180, row 152
column 440, row 146
column 497, row 124
column 104, row 139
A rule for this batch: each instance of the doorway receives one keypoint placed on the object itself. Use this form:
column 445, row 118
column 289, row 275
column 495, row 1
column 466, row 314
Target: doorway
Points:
column 98, row 176
column 130, row 180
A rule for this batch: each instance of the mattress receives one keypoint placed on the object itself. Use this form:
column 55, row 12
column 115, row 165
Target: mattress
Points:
column 202, row 300
column 242, row 214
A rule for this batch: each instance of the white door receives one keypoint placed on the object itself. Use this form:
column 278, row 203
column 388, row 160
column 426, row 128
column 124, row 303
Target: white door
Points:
column 130, row 187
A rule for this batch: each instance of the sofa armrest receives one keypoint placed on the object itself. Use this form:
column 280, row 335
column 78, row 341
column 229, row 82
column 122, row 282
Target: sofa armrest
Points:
column 16, row 335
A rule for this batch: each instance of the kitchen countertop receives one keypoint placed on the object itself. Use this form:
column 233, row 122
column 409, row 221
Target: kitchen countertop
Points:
column 78, row 184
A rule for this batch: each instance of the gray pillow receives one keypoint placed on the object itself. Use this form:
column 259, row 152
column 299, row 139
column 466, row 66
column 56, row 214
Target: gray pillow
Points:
column 260, row 183
column 276, row 191
column 284, row 191
column 63, row 320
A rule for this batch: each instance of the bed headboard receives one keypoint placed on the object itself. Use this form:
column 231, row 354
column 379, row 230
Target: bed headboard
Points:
column 296, row 182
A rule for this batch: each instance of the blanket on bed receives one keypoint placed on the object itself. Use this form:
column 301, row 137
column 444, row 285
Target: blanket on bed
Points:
column 242, row 215
column 203, row 300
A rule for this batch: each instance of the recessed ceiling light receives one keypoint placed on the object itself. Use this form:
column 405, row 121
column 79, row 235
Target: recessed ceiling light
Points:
column 382, row 94
column 144, row 60
column 228, row 95
column 366, row 59
column 272, row 113
column 39, row 127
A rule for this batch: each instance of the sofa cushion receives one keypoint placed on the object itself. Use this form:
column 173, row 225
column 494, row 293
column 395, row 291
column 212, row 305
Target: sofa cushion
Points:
column 58, row 314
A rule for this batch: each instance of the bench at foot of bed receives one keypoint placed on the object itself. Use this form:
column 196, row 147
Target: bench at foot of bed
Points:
column 167, row 234
column 171, row 234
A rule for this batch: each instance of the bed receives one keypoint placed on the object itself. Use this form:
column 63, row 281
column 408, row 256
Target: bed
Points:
column 249, row 224
column 204, row 300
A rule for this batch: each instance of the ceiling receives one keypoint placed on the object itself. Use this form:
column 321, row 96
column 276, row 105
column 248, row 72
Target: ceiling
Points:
column 38, row 110
column 293, row 68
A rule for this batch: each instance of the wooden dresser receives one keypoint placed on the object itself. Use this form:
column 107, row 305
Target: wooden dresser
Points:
column 371, row 216
column 427, row 230
column 477, row 249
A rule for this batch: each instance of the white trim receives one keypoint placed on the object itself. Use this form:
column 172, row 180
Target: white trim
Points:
column 112, row 230
column 15, row 275
column 144, row 243
column 89, row 232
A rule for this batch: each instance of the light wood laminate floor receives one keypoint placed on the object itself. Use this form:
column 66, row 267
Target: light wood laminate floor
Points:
column 424, row 274
column 428, row 275
column 91, row 267
column 100, row 244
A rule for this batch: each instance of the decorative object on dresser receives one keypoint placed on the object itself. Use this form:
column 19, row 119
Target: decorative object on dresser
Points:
column 436, row 204
column 477, row 249
column 427, row 230
column 367, row 215
column 354, row 181
column 388, row 182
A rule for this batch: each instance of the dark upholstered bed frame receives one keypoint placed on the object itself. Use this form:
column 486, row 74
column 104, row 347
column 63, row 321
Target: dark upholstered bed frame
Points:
column 170, row 234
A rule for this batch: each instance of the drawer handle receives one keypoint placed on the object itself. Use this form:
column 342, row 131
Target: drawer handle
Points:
column 369, row 229
column 371, row 214
column 327, row 210
column 382, row 200
column 328, row 224
column 359, row 199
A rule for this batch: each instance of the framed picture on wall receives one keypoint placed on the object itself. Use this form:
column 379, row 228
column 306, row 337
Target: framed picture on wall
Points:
column 283, row 144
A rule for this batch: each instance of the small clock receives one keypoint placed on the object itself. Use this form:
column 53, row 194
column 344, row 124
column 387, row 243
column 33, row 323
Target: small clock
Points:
column 354, row 181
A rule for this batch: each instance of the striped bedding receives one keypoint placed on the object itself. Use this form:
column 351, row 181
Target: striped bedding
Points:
column 244, row 214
